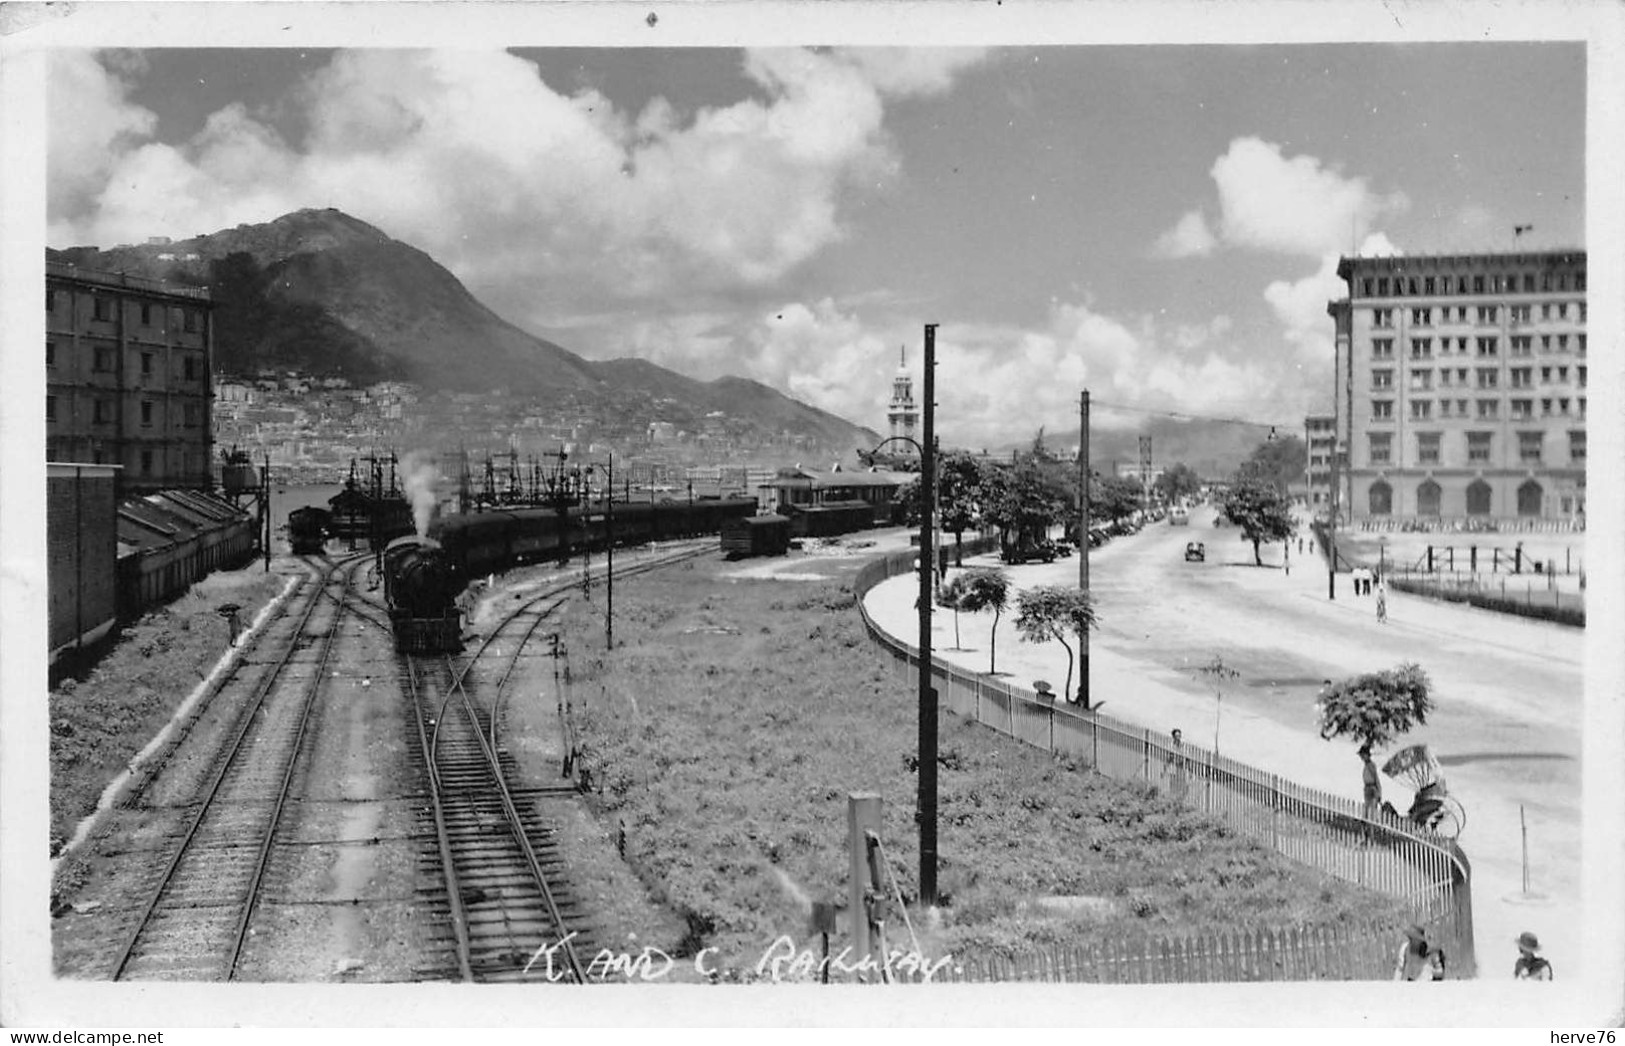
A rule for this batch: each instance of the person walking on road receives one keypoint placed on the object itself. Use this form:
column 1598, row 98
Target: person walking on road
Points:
column 1419, row 960
column 1530, row 967
column 1382, row 604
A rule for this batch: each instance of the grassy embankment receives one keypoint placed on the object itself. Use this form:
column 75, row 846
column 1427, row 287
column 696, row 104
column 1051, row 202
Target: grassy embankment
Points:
column 735, row 716
column 99, row 722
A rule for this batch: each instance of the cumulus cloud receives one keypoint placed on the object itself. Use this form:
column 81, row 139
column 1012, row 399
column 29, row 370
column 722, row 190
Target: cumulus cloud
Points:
column 1300, row 305
column 1190, row 237
column 1289, row 205
column 512, row 184
column 92, row 122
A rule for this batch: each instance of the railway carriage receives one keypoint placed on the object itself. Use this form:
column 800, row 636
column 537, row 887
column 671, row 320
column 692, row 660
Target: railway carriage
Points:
column 308, row 528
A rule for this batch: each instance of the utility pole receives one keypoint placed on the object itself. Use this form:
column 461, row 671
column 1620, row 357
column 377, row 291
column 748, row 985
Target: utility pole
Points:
column 1083, row 541
column 609, row 551
column 928, row 695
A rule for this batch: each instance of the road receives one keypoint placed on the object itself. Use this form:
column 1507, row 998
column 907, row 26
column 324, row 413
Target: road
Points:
column 1508, row 691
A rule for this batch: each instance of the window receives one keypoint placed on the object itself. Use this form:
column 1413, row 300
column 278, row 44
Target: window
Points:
column 1488, row 377
column 1582, row 312
column 1562, row 343
column 1562, row 404
column 1489, row 408
column 1545, row 343
column 1427, row 448
column 1545, row 375
column 1488, row 346
column 1529, row 445
column 1382, row 317
column 146, row 413
column 1520, row 345
column 190, row 368
column 1579, row 281
column 1529, row 283
column 1461, row 346
column 102, row 360
column 146, row 363
column 1382, row 378
column 50, row 354
column 146, row 314
column 1427, row 285
column 1581, row 339
column 1546, row 311
column 1577, row 446
column 1562, row 310
column 1382, row 444
column 1421, row 410
column 1522, row 410
column 1546, row 407
column 1382, row 287
column 1382, row 410
column 1521, row 377
column 101, row 412
column 1580, row 373
column 1382, row 348
column 146, row 462
column 1422, row 317
column 1421, row 348
column 1563, row 374
column 103, row 307
column 1478, row 446
column 50, row 408
column 194, row 320
column 193, row 412
column 1488, row 313
column 1444, row 408
column 1461, row 408
column 1444, row 377
column 1421, row 379
column 1366, row 287
column 1582, row 406
column 1520, row 313
column 1478, row 288
column 1461, row 311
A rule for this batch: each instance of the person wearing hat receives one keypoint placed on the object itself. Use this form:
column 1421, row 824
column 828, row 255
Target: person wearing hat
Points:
column 1530, row 967
column 1419, row 960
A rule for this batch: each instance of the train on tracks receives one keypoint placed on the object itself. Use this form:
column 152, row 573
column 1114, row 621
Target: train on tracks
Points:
column 425, row 575
column 308, row 528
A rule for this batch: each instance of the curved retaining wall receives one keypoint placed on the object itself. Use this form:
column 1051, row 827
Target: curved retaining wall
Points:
column 1315, row 828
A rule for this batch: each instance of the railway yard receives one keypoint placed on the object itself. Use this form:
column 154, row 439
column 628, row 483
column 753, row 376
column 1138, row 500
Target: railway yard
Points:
column 336, row 810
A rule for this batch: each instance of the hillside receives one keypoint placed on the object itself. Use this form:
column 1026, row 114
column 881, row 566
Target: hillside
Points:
column 1215, row 449
column 326, row 294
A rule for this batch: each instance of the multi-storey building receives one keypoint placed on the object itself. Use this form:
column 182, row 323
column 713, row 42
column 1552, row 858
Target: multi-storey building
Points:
column 127, row 377
column 1319, row 440
column 1461, row 386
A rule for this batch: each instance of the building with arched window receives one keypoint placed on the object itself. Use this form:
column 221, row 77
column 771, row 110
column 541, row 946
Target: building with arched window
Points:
column 1460, row 387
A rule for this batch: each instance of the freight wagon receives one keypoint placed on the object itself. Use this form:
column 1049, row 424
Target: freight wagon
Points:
column 756, row 536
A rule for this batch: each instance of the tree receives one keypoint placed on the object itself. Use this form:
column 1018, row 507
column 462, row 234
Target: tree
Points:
column 1218, row 673
column 1114, row 498
column 1056, row 612
column 1261, row 511
column 959, row 482
column 986, row 589
column 1023, row 499
column 1376, row 707
column 1177, row 481
column 1278, row 462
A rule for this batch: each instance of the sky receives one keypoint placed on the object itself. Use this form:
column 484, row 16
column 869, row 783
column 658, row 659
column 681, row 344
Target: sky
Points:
column 1158, row 224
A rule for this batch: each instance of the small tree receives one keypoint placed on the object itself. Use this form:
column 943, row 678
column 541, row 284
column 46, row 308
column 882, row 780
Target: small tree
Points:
column 952, row 596
column 1376, row 707
column 986, row 589
column 1056, row 612
column 1262, row 512
column 1218, row 673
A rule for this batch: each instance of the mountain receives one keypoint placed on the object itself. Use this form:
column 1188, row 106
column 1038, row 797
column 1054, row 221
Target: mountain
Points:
column 1212, row 447
column 324, row 293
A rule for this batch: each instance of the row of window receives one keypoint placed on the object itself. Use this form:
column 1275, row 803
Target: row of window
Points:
column 1430, row 497
column 1486, row 377
column 1480, row 445
column 1519, row 345
column 103, row 307
column 1481, row 283
column 104, row 357
column 1486, row 314
column 1484, row 410
column 102, row 412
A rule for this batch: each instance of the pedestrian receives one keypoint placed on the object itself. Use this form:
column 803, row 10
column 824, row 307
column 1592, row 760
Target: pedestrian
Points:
column 1382, row 605
column 1530, row 967
column 1419, row 959
column 1176, row 766
column 1371, row 784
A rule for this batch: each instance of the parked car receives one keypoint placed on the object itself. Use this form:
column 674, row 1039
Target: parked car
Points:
column 1195, row 552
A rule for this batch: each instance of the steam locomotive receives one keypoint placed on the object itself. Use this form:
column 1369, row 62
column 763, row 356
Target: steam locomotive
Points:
column 308, row 529
column 421, row 585
column 423, row 576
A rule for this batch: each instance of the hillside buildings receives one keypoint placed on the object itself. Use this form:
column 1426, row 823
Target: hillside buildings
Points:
column 1461, row 387
column 127, row 365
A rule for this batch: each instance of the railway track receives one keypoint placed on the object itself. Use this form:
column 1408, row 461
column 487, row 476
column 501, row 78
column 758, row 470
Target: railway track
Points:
column 200, row 909
column 511, row 913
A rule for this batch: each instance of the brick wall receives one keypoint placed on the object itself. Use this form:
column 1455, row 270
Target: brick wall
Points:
column 81, row 551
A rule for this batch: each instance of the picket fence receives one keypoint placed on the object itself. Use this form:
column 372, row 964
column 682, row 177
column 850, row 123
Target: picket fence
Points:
column 1323, row 831
column 1317, row 953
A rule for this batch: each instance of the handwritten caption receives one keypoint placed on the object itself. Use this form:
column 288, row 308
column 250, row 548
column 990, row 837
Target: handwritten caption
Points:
column 780, row 961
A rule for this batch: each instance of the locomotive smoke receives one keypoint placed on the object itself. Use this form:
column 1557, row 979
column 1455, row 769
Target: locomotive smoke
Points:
column 418, row 477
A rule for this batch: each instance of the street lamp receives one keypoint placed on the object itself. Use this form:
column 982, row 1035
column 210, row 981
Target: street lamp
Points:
column 927, row 803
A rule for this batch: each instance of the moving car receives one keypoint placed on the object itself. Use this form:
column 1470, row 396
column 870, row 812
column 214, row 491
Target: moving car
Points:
column 1195, row 552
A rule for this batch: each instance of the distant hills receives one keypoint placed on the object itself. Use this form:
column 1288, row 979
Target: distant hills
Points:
column 324, row 293
column 1214, row 449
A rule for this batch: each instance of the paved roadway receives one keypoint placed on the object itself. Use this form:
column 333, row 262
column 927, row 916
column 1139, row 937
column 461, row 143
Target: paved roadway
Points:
column 1508, row 693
